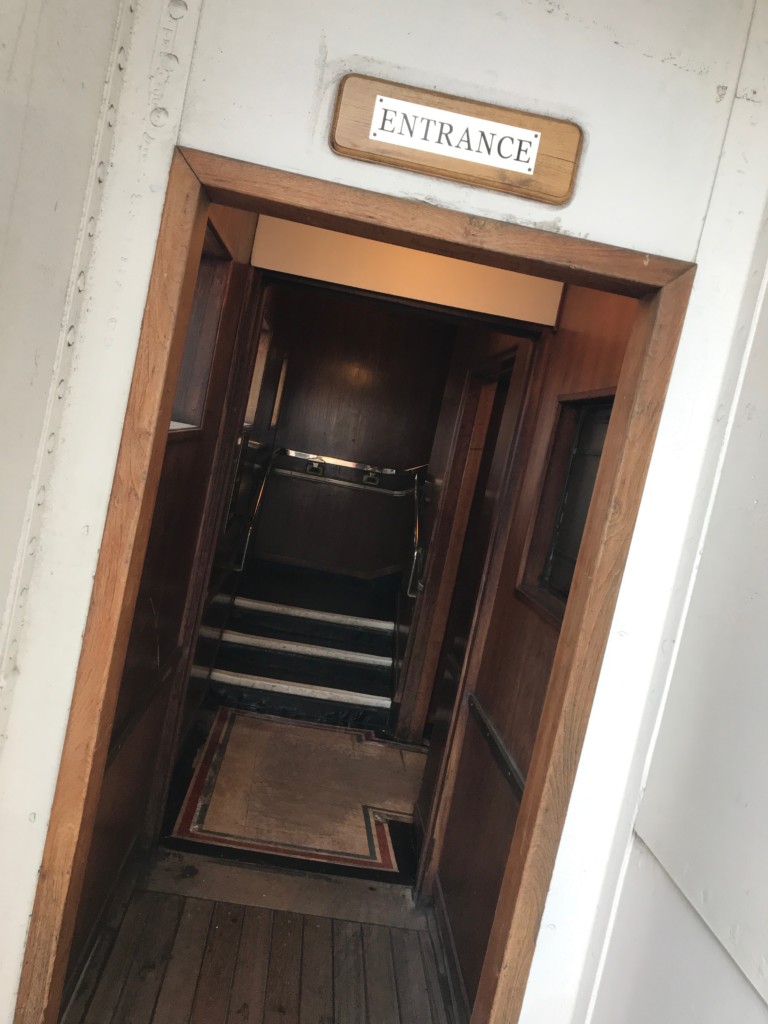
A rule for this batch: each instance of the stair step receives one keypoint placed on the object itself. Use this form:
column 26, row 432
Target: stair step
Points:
column 295, row 611
column 290, row 666
column 280, row 625
column 293, row 689
column 230, row 636
column 265, row 581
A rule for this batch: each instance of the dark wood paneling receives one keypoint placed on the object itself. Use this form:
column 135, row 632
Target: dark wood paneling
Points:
column 365, row 378
column 491, row 485
column 192, row 388
column 126, row 783
column 479, row 832
column 457, row 453
column 308, row 522
column 512, row 642
column 155, row 648
column 586, row 355
column 364, row 383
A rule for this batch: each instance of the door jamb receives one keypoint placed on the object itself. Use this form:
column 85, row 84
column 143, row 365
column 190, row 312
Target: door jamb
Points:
column 196, row 179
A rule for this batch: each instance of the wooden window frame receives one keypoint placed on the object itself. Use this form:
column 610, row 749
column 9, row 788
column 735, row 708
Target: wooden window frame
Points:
column 544, row 521
column 196, row 180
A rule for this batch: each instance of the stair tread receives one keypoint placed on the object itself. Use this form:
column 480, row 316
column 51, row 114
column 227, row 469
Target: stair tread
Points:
column 286, row 627
column 296, row 668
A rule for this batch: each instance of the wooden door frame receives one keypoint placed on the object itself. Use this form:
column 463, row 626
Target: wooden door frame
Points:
column 197, row 179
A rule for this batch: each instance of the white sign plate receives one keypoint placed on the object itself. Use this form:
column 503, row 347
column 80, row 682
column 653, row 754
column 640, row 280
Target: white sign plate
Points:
column 460, row 136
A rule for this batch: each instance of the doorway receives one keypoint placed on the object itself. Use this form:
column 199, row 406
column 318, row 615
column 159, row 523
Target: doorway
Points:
column 661, row 286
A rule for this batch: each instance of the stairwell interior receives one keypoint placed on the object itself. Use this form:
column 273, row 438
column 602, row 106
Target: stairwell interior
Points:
column 316, row 567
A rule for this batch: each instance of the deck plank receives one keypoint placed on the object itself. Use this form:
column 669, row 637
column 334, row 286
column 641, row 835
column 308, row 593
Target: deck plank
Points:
column 412, row 991
column 110, row 986
column 316, row 1005
column 284, row 976
column 437, row 984
column 250, row 982
column 214, row 985
column 380, row 984
column 348, row 973
column 177, row 993
column 145, row 977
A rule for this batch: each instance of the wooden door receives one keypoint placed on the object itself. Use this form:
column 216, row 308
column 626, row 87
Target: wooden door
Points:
column 505, row 621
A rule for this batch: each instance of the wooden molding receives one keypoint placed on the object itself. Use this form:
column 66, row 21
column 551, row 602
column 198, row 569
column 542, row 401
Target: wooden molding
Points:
column 422, row 226
column 195, row 179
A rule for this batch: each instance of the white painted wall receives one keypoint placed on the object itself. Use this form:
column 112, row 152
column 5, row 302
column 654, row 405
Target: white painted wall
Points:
column 650, row 623
column 704, row 813
column 664, row 966
column 132, row 77
column 53, row 68
column 643, row 81
column 654, row 85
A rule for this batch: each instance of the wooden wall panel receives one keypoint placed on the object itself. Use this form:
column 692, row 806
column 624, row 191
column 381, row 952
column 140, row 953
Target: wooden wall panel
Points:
column 364, row 383
column 154, row 651
column 127, row 780
column 306, row 521
column 513, row 641
column 365, row 378
column 483, row 815
column 586, row 355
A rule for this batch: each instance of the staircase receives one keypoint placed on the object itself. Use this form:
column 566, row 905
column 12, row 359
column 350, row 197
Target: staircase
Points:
column 302, row 645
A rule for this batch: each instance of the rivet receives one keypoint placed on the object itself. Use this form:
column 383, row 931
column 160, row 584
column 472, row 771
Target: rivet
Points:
column 81, row 280
column 111, row 113
column 51, row 442
column 23, row 597
column 91, row 227
column 158, row 117
column 170, row 61
column 101, row 172
column 177, row 9
column 40, row 495
column 71, row 330
column 61, row 389
column 121, row 58
column 32, row 546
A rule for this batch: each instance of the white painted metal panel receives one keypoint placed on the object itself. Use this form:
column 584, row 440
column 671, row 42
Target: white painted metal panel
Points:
column 664, row 965
column 705, row 809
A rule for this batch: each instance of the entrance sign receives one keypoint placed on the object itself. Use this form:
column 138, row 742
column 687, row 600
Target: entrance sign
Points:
column 477, row 143
column 433, row 130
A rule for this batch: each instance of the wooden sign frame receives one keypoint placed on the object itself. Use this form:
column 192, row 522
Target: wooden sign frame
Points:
column 550, row 181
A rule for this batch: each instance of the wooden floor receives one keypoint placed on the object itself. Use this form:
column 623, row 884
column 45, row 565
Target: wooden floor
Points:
column 177, row 956
column 300, row 790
